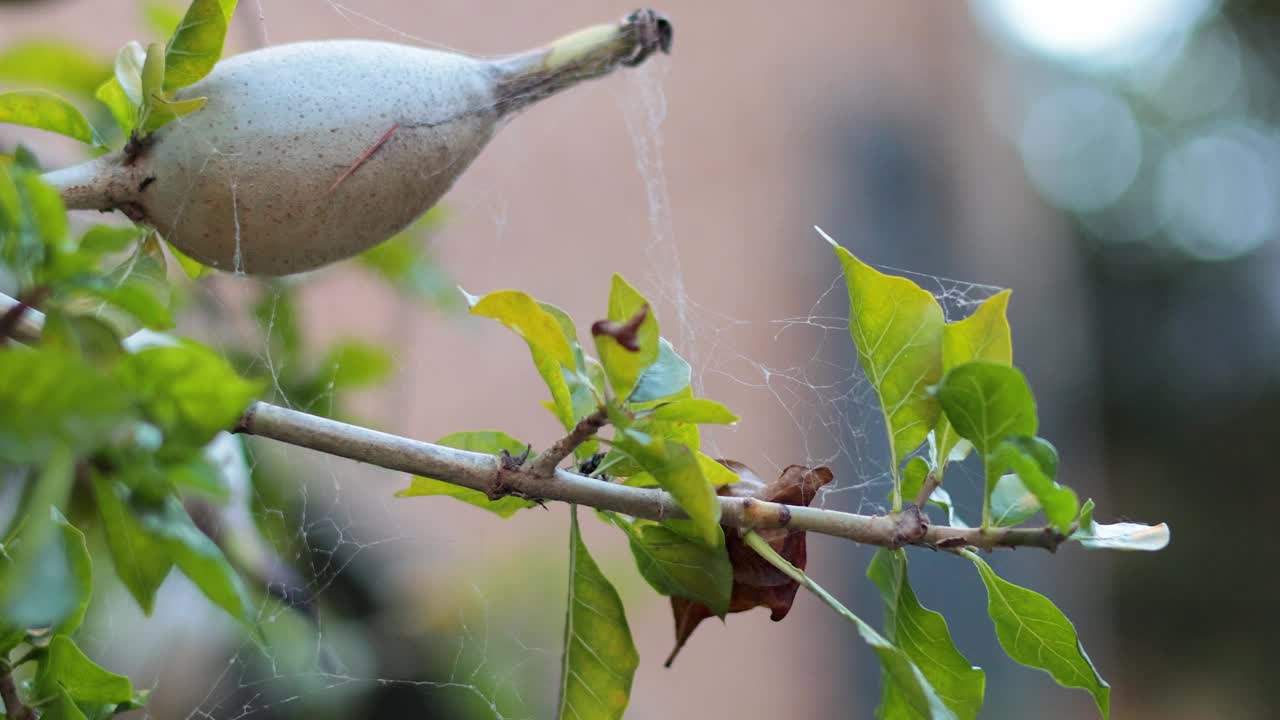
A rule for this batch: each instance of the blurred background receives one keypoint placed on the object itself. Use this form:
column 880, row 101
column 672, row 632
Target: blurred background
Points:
column 1116, row 163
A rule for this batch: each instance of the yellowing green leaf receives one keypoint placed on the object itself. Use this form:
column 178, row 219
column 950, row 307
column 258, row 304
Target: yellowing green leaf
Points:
column 622, row 366
column 1034, row 632
column 46, row 111
column 897, row 327
column 677, row 470
column 523, row 315
column 164, row 112
column 695, row 410
column 483, row 441
column 985, row 336
column 193, row 268
column 117, row 101
column 599, row 658
column 714, row 471
column 196, row 45
column 923, row 635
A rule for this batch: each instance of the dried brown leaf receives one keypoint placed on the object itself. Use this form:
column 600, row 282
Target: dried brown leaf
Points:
column 756, row 583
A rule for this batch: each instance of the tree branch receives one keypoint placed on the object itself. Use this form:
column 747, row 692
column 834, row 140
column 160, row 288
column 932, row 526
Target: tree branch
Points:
column 545, row 464
column 489, row 475
column 14, row 708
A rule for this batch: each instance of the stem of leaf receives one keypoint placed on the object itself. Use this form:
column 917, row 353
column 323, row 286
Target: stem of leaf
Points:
column 988, row 487
column 764, row 550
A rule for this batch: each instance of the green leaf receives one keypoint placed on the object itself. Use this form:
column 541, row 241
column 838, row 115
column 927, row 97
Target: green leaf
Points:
column 104, row 239
column 1034, row 632
column 85, row 336
column 986, row 403
column 523, row 315
column 357, row 364
column 153, row 75
column 897, row 327
column 599, row 659
column 135, row 299
column 41, row 582
column 124, row 110
column 196, row 45
column 130, row 61
column 197, row 557
column 491, row 442
column 140, row 560
column 188, row 391
column 62, row 707
column 1086, row 515
column 1035, row 462
column 923, row 635
column 193, row 268
column 81, row 567
column 55, row 399
column 695, row 410
column 675, row 565
column 85, row 681
column 200, row 476
column 143, row 269
column 407, row 262
column 52, row 64
column 668, row 375
column 678, row 471
column 162, row 112
column 46, row 111
column 913, row 475
column 714, row 471
column 622, row 366
column 1012, row 502
column 896, row 665
column 33, row 226
column 985, row 336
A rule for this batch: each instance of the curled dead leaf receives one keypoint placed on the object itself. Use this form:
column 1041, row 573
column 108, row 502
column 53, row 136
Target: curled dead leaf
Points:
column 624, row 333
column 756, row 583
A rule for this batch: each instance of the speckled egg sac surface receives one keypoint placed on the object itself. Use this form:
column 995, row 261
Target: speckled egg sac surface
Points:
column 247, row 183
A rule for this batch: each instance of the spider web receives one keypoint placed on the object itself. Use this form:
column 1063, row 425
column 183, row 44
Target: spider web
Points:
column 454, row 640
